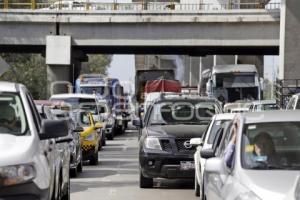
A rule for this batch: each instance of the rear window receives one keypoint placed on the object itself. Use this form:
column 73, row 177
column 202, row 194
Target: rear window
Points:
column 79, row 103
column 12, row 116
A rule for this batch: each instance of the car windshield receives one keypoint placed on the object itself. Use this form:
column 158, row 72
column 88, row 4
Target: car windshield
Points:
column 164, row 113
column 214, row 130
column 271, row 146
column 80, row 103
column 12, row 115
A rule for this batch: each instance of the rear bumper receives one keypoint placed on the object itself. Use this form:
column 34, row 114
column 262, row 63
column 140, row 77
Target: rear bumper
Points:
column 28, row 191
column 165, row 166
column 87, row 153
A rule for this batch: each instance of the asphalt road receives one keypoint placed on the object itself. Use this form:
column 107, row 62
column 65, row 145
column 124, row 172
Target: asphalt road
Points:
column 117, row 177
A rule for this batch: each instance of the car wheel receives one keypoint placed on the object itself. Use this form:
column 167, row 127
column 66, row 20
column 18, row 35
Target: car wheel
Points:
column 197, row 187
column 73, row 172
column 103, row 140
column 66, row 195
column 79, row 167
column 145, row 182
column 94, row 159
column 100, row 145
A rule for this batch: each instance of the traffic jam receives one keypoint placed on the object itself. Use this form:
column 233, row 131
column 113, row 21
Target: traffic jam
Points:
column 227, row 141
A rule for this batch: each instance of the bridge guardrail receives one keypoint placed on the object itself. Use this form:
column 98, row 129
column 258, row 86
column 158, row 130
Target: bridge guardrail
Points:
column 155, row 6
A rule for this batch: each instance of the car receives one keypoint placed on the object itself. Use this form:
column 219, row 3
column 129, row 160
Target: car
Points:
column 264, row 158
column 237, row 104
column 294, row 102
column 85, row 102
column 169, row 124
column 28, row 166
column 109, row 126
column 206, row 142
column 89, row 136
column 263, row 105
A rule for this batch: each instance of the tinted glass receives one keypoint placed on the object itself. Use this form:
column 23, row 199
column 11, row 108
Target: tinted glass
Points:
column 271, row 146
column 12, row 116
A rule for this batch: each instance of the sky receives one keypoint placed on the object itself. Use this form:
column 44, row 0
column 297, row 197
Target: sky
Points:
column 123, row 68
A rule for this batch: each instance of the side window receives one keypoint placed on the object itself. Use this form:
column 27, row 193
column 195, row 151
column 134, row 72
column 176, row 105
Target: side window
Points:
column 291, row 103
column 36, row 116
column 225, row 140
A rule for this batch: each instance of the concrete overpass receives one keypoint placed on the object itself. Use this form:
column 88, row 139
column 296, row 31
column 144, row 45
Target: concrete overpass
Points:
column 253, row 31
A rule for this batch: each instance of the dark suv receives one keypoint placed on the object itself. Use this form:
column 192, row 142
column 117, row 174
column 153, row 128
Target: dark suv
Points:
column 164, row 149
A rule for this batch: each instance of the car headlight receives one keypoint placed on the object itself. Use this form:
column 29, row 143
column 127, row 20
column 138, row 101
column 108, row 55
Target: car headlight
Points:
column 90, row 137
column 248, row 196
column 72, row 147
column 119, row 117
column 18, row 174
column 110, row 121
column 152, row 143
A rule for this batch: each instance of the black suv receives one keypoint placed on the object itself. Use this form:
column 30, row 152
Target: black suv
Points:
column 164, row 149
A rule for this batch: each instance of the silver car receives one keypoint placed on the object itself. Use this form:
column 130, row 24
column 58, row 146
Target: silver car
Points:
column 265, row 159
column 206, row 142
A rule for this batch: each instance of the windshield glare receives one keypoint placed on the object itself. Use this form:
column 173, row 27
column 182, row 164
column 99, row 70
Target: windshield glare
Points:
column 12, row 115
column 80, row 103
column 271, row 146
column 182, row 113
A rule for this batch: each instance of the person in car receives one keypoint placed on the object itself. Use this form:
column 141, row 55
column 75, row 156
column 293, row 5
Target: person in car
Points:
column 8, row 122
column 264, row 149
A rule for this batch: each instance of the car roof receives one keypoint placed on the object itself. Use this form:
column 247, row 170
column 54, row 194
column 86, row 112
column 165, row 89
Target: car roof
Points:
column 270, row 101
column 9, row 86
column 224, row 116
column 73, row 95
column 271, row 116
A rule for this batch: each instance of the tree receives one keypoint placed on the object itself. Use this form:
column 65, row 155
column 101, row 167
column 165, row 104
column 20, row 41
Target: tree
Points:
column 98, row 64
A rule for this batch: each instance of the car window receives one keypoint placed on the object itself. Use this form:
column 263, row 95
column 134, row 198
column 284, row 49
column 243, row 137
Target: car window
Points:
column 271, row 146
column 214, row 129
column 12, row 116
column 291, row 103
column 35, row 114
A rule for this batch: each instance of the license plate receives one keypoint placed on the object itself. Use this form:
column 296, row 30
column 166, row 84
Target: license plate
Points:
column 187, row 165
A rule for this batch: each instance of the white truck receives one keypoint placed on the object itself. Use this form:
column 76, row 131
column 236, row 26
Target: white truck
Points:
column 229, row 83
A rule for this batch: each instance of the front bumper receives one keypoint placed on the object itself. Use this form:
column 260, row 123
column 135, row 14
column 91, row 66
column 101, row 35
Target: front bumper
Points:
column 165, row 166
column 27, row 191
column 88, row 152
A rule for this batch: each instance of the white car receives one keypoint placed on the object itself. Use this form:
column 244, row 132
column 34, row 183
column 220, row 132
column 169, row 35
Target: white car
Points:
column 263, row 105
column 239, row 110
column 206, row 142
column 28, row 157
column 265, row 159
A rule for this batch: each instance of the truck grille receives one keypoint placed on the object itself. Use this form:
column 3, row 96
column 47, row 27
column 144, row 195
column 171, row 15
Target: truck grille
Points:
column 181, row 147
column 166, row 145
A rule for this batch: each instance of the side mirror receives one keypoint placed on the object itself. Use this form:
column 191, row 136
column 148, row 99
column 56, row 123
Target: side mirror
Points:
column 137, row 123
column 215, row 165
column 64, row 140
column 78, row 129
column 196, row 141
column 207, row 153
column 98, row 125
column 53, row 129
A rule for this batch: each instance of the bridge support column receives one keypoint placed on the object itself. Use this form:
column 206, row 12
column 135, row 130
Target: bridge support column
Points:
column 289, row 67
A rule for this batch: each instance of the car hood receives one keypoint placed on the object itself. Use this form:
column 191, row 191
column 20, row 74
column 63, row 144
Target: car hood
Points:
column 15, row 149
column 183, row 131
column 271, row 184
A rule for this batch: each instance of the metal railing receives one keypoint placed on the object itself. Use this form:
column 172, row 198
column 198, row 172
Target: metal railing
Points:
column 284, row 89
column 83, row 6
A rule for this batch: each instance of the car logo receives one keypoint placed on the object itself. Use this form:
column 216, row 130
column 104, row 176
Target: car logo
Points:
column 187, row 144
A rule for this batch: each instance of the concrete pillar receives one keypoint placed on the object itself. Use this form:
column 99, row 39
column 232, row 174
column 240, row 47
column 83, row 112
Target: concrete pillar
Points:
column 58, row 79
column 289, row 67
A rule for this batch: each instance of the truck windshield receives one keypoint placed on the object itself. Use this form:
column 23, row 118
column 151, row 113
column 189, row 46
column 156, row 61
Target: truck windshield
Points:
column 235, row 80
column 12, row 115
column 80, row 103
column 165, row 113
column 91, row 90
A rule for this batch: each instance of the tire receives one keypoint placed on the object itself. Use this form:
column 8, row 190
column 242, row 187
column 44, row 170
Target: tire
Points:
column 66, row 195
column 79, row 167
column 103, row 140
column 197, row 187
column 100, row 145
column 94, row 159
column 73, row 173
column 145, row 182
